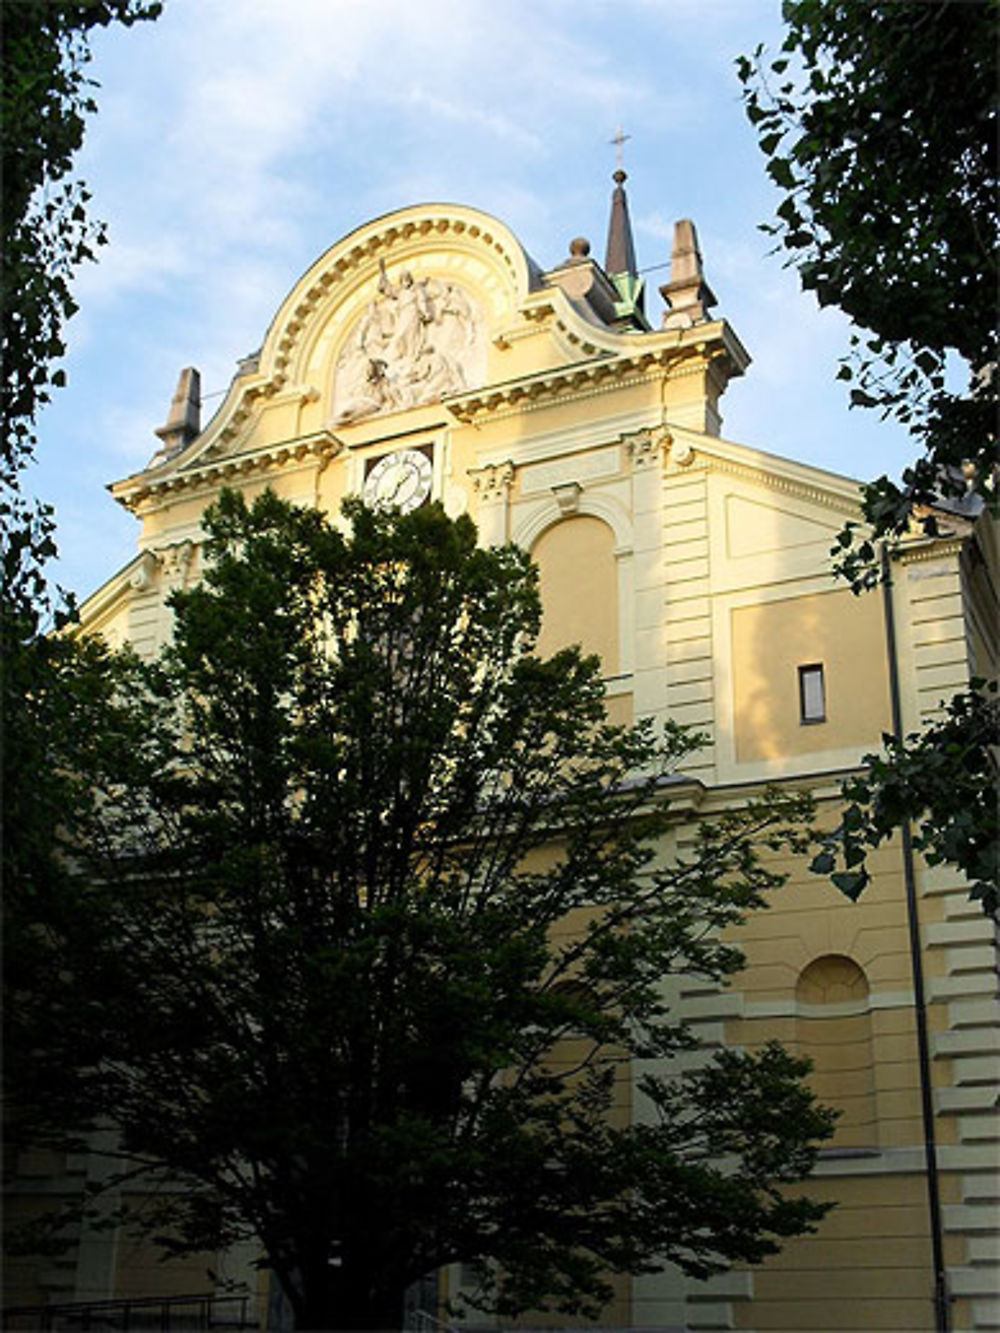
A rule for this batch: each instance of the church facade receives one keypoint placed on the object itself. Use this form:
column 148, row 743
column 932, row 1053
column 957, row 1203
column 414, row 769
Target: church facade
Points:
column 427, row 357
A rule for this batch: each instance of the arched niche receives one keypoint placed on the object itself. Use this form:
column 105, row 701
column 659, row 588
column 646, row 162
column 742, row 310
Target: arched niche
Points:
column 834, row 1029
column 578, row 579
column 590, row 586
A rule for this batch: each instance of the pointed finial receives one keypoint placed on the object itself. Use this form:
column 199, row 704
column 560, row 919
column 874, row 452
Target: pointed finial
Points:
column 184, row 419
column 688, row 296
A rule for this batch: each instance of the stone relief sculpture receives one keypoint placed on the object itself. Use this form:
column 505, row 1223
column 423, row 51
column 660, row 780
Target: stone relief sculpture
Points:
column 416, row 341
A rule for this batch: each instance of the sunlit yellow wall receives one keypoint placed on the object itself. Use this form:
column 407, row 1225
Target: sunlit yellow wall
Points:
column 832, row 980
column 771, row 640
column 867, row 1269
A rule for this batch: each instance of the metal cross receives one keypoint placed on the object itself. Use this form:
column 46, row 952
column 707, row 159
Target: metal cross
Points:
column 619, row 142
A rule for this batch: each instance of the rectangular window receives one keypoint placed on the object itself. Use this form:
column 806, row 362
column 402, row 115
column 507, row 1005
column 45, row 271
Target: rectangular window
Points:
column 812, row 694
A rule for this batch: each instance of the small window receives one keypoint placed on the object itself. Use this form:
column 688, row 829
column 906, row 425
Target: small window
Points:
column 812, row 694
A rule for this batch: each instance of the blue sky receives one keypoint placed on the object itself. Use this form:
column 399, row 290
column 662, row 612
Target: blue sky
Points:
column 237, row 140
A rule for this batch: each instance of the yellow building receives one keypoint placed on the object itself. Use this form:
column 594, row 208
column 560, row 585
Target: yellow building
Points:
column 427, row 356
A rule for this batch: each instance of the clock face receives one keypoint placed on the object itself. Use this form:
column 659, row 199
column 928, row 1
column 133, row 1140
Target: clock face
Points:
column 400, row 480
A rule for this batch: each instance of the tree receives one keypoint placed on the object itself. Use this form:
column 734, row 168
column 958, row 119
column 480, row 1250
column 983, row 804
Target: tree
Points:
column 45, row 236
column 879, row 122
column 44, row 101
column 360, row 941
column 881, row 133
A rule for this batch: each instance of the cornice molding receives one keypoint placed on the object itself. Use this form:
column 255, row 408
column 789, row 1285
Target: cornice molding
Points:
column 217, row 471
column 714, row 350
column 493, row 482
column 563, row 384
column 647, row 448
column 702, row 460
column 931, row 548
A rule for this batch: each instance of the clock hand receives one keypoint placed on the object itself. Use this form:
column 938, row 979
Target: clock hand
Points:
column 386, row 488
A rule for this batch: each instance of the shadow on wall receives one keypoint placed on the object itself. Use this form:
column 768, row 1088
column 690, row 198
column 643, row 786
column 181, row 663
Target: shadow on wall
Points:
column 844, row 700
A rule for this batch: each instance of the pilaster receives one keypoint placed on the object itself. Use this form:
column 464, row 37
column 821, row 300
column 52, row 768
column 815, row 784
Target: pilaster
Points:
column 960, row 949
column 492, row 485
column 690, row 693
column 646, row 452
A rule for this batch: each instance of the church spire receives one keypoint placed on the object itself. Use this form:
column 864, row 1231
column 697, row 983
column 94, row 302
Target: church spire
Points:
column 619, row 263
column 621, row 248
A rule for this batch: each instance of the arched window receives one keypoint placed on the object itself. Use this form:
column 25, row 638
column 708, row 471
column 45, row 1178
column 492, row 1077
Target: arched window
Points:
column 834, row 1030
column 578, row 578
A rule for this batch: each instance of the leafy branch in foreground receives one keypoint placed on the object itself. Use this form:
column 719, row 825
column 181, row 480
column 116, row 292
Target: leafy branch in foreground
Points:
column 45, row 235
column 46, row 98
column 944, row 779
column 879, row 123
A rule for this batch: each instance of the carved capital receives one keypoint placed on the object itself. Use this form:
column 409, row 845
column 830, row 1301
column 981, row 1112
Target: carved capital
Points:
column 494, row 481
column 647, row 447
column 176, row 560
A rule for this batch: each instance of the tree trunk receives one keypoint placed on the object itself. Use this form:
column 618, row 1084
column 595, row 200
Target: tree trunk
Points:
column 336, row 1300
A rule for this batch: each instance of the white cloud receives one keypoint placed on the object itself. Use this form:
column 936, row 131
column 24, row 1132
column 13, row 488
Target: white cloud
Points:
column 469, row 114
column 135, row 266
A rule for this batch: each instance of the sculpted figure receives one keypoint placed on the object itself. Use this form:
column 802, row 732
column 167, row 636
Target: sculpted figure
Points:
column 414, row 343
column 412, row 312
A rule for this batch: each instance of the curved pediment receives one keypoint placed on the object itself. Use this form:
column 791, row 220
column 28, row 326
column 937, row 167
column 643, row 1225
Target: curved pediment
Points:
column 400, row 313
column 399, row 268
column 436, row 304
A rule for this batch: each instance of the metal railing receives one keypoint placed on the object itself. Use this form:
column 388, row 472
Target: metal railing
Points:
column 147, row 1314
column 420, row 1321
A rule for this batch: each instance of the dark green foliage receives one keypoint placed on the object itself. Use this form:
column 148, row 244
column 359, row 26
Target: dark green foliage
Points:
column 45, row 235
column 53, row 691
column 56, row 693
column 879, row 122
column 944, row 778
column 311, row 947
